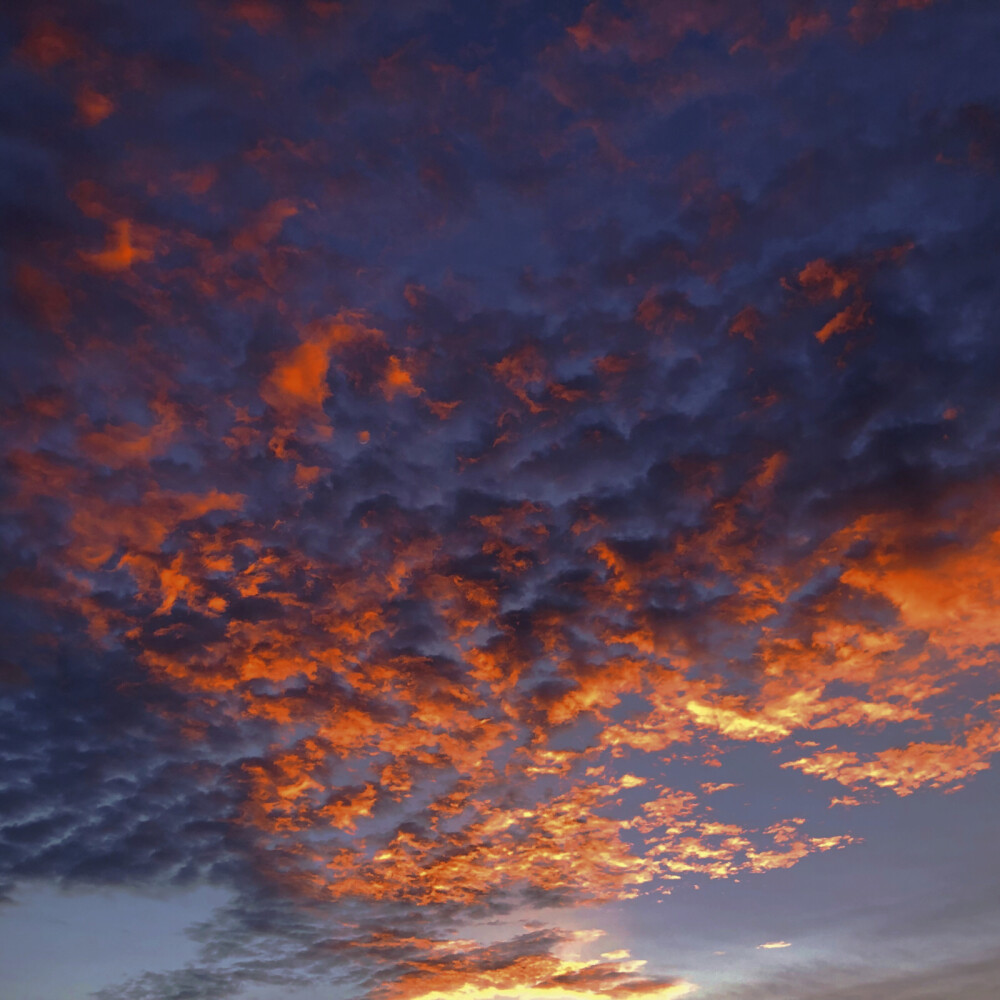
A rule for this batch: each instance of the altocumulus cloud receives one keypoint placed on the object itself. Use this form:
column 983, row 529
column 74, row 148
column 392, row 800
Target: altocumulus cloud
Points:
column 466, row 463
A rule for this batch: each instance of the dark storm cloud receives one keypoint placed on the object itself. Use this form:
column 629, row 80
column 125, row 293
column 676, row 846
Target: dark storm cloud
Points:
column 97, row 789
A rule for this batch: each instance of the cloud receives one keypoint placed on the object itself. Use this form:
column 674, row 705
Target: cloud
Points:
column 442, row 465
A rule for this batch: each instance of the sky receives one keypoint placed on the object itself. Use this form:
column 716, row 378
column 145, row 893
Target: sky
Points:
column 498, row 500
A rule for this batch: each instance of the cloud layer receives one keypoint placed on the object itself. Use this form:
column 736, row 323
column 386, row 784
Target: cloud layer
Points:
column 466, row 463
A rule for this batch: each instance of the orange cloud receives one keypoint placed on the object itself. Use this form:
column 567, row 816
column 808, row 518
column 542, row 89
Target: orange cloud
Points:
column 259, row 14
column 803, row 23
column 520, row 970
column 906, row 769
column 48, row 44
column 398, row 380
column 950, row 590
column 821, row 280
column 299, row 380
column 851, row 318
column 117, row 445
column 265, row 226
column 297, row 385
column 92, row 106
column 198, row 181
column 747, row 323
column 123, row 249
column 521, row 370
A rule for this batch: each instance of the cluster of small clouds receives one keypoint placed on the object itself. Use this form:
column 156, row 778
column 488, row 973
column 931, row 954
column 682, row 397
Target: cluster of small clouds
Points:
column 432, row 454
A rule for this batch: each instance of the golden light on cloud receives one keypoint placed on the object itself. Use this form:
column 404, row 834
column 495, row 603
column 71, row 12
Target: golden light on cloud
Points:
column 672, row 991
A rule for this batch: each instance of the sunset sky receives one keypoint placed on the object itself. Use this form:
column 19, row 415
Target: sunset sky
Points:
column 500, row 500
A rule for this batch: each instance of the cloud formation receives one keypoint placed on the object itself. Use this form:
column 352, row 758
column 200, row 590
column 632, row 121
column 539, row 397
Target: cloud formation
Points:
column 462, row 465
